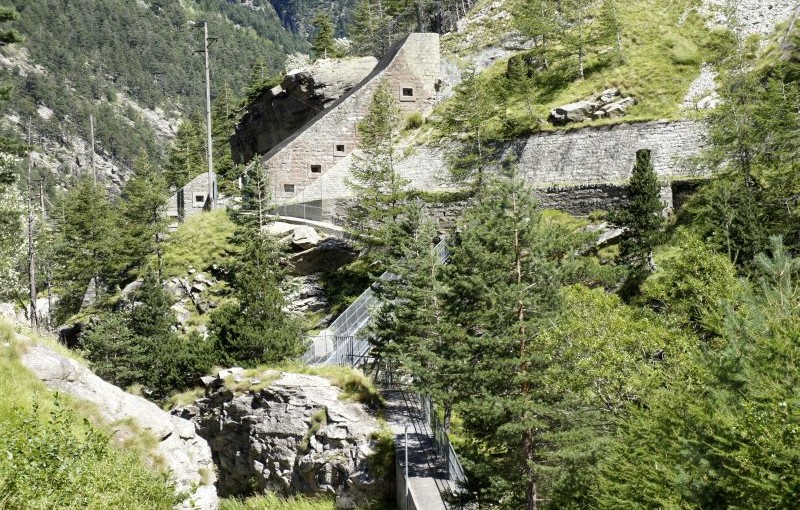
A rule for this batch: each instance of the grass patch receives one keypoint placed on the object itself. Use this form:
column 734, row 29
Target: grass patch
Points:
column 663, row 44
column 55, row 456
column 382, row 459
column 318, row 421
column 184, row 398
column 273, row 502
column 200, row 241
column 561, row 218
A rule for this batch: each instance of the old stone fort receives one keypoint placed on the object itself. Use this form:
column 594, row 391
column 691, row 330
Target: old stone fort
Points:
column 577, row 170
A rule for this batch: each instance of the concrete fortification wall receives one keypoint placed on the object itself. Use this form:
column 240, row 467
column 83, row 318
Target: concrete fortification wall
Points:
column 606, row 154
column 411, row 69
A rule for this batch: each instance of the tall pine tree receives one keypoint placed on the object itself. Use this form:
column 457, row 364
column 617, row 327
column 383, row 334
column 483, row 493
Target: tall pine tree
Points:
column 381, row 198
column 642, row 215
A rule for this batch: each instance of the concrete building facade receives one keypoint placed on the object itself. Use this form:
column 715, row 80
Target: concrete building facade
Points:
column 192, row 198
column 411, row 70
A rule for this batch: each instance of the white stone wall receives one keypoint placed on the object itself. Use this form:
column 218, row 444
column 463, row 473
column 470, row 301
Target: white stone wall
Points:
column 415, row 66
column 606, row 154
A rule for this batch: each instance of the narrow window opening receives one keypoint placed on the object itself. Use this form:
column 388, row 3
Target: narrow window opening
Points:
column 288, row 188
column 316, row 169
column 407, row 92
column 199, row 199
column 340, row 147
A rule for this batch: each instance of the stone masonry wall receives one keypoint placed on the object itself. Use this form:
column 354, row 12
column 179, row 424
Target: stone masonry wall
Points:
column 412, row 68
column 195, row 188
column 606, row 154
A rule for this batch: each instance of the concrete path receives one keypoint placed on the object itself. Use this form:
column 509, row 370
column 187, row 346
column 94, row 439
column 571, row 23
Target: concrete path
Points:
column 427, row 477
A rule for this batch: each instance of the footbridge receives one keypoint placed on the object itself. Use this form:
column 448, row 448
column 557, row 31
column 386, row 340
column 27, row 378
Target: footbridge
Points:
column 429, row 473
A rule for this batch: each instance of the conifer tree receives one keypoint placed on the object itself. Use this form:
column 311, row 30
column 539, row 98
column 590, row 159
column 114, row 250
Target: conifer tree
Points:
column 467, row 121
column 186, row 157
column 380, row 192
column 323, row 42
column 87, row 245
column 411, row 328
column 144, row 198
column 256, row 329
column 642, row 215
column 367, row 28
column 504, row 279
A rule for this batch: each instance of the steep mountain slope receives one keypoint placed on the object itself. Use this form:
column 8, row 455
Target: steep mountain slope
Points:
column 131, row 65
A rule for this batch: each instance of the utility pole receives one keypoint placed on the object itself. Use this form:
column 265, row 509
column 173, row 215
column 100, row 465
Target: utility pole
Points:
column 209, row 155
column 91, row 136
column 31, row 240
column 47, row 268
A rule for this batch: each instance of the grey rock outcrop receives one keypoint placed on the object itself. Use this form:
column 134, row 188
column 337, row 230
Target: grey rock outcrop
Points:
column 280, row 111
column 608, row 103
column 187, row 455
column 292, row 436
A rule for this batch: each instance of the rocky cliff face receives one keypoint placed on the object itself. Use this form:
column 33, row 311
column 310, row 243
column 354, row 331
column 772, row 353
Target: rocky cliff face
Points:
column 289, row 436
column 280, row 111
column 187, row 456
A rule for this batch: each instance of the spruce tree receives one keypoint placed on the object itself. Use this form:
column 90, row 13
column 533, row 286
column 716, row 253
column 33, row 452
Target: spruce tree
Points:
column 323, row 42
column 256, row 329
column 186, row 157
column 505, row 274
column 381, row 198
column 87, row 246
column 144, row 199
column 411, row 329
column 642, row 215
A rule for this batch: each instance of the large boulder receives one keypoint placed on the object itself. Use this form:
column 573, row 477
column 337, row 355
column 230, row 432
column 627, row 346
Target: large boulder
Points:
column 187, row 456
column 293, row 435
column 573, row 112
column 276, row 113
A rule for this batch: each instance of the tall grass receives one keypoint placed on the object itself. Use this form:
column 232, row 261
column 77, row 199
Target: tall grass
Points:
column 273, row 502
column 199, row 242
column 52, row 456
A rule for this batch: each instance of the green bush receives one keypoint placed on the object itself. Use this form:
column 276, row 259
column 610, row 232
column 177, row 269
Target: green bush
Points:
column 414, row 120
column 50, row 463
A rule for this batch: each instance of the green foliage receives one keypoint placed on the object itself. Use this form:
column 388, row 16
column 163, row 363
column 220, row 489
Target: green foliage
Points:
column 382, row 202
column 693, row 283
column 200, row 242
column 754, row 152
column 504, row 276
column 52, row 457
column 323, row 42
column 603, row 356
column 87, row 246
column 138, row 346
column 273, row 502
column 732, row 424
column 255, row 329
column 144, row 200
column 642, row 214
column 11, row 239
column 414, row 120
column 50, row 463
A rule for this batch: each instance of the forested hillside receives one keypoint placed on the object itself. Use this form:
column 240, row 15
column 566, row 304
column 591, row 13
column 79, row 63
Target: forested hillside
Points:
column 133, row 66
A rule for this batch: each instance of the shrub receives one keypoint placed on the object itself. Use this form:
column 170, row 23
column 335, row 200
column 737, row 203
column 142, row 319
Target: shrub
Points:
column 414, row 120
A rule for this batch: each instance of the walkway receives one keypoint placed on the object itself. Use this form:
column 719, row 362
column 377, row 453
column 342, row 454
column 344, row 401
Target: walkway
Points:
column 427, row 479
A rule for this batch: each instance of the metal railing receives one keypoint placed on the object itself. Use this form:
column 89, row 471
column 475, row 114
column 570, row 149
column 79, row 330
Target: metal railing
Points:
column 309, row 212
column 446, row 452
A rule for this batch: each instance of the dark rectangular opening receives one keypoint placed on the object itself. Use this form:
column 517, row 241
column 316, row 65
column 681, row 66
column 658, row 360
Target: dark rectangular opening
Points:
column 316, row 169
column 407, row 92
column 339, row 147
column 288, row 188
column 199, row 199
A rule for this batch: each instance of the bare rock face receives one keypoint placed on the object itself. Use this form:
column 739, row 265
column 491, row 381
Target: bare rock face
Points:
column 608, row 103
column 187, row 455
column 280, row 111
column 293, row 436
